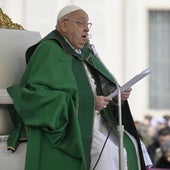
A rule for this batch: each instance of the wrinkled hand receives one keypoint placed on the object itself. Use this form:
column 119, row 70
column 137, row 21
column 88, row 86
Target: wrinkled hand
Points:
column 101, row 102
column 125, row 94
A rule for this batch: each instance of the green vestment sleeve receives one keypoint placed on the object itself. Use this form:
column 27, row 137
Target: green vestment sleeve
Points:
column 46, row 100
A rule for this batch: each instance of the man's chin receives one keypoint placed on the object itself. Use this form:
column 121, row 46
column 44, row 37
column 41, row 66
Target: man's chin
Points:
column 81, row 45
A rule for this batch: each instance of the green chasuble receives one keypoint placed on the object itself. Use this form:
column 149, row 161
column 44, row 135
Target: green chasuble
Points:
column 54, row 106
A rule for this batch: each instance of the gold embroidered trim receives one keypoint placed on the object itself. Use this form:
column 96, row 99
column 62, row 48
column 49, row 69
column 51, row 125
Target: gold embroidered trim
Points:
column 23, row 139
column 26, row 131
column 88, row 57
column 26, row 138
column 6, row 22
column 11, row 148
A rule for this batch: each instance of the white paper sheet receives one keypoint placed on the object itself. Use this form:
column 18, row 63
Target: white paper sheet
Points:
column 131, row 82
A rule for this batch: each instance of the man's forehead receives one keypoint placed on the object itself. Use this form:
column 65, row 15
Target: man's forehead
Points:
column 79, row 14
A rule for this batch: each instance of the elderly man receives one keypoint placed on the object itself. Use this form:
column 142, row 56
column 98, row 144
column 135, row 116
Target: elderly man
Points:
column 61, row 105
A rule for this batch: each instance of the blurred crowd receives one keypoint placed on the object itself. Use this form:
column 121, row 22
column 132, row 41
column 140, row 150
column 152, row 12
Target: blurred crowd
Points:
column 155, row 134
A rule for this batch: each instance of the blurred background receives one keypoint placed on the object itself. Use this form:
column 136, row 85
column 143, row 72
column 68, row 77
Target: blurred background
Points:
column 129, row 35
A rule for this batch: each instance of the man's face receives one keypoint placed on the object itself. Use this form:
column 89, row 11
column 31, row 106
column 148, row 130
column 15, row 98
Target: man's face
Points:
column 162, row 139
column 76, row 28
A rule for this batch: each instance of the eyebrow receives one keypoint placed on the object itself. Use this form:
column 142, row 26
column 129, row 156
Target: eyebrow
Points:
column 81, row 18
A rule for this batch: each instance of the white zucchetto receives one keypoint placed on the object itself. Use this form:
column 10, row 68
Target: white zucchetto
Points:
column 66, row 10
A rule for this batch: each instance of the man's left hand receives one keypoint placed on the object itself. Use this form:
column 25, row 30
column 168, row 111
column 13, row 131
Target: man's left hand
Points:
column 125, row 94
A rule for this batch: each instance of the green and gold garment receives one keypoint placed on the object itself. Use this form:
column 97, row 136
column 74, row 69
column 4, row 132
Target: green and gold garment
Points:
column 54, row 106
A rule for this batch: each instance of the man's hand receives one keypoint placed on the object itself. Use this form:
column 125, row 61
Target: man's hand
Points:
column 125, row 94
column 101, row 102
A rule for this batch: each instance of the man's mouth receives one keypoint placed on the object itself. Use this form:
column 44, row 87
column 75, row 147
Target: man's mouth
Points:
column 84, row 36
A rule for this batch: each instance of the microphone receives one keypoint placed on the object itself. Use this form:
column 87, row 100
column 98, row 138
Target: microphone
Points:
column 93, row 50
column 120, row 127
column 89, row 36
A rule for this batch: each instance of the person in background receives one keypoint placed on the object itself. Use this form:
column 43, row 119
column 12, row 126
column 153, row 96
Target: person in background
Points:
column 164, row 160
column 147, row 119
column 150, row 127
column 167, row 118
column 62, row 108
column 144, row 132
column 154, row 149
column 159, row 123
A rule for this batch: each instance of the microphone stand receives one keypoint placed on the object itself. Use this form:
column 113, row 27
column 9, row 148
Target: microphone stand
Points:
column 120, row 127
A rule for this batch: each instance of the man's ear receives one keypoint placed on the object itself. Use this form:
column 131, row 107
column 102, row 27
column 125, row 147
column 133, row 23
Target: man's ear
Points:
column 63, row 26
